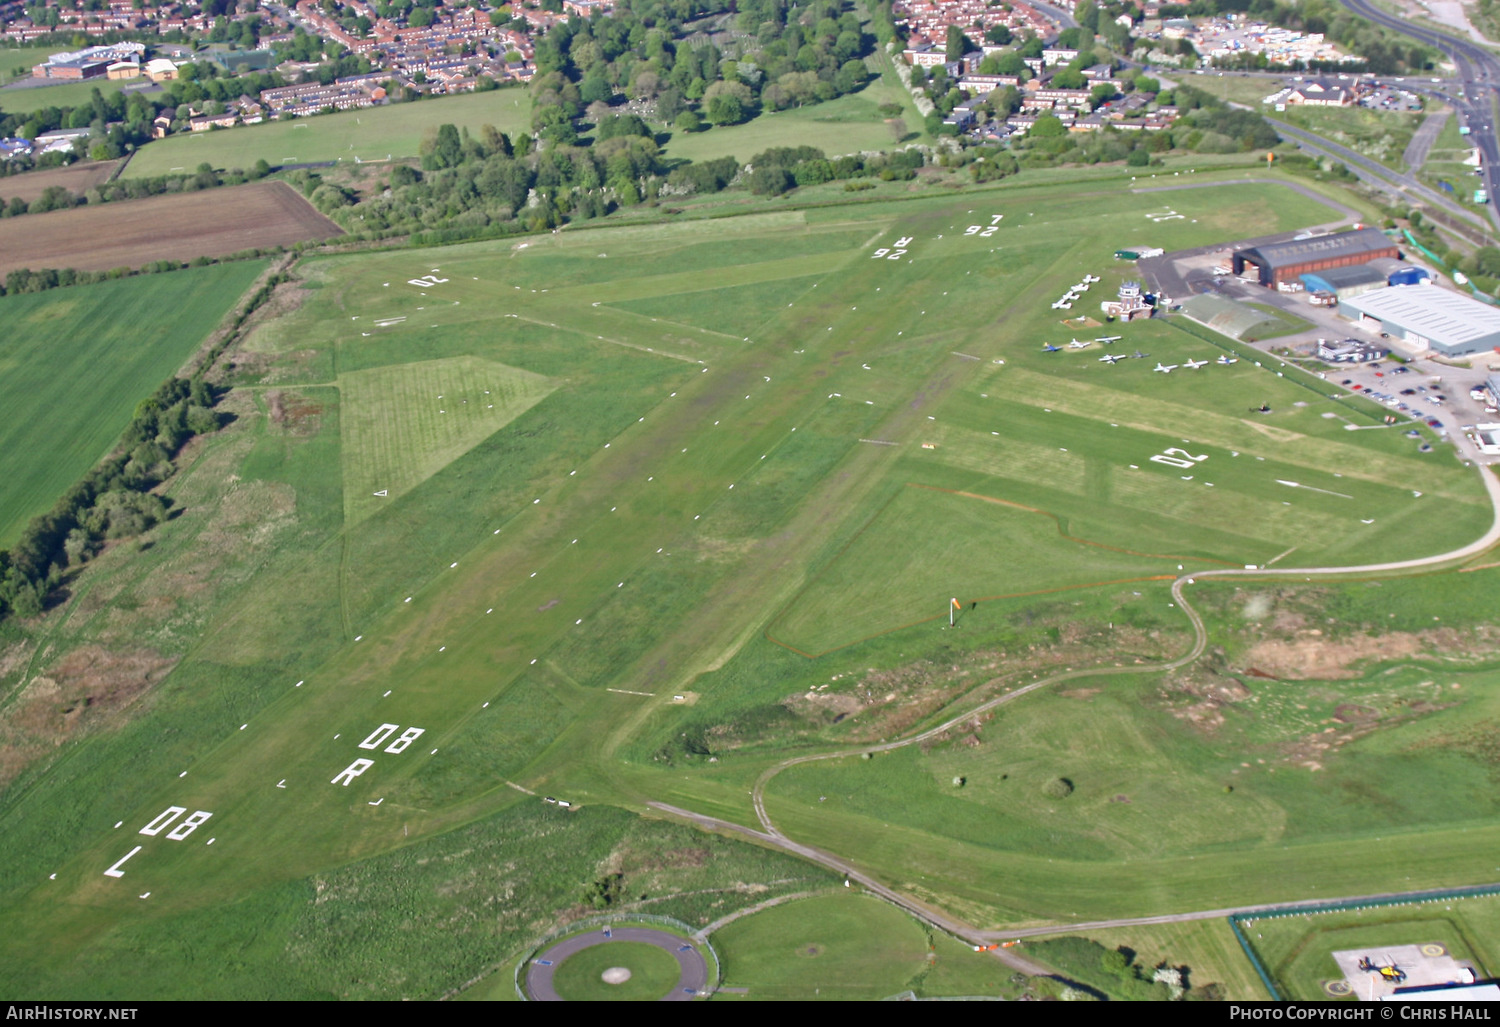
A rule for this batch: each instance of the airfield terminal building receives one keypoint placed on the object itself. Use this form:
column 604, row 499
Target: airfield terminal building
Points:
column 1426, row 317
column 1274, row 263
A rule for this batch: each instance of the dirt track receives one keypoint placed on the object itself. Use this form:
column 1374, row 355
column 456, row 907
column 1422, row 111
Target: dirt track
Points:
column 210, row 223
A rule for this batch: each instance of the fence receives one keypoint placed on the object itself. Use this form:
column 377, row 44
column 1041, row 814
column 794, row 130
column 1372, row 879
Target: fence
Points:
column 1339, row 906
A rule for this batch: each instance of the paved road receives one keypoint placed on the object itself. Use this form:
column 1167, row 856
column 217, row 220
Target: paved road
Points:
column 1214, row 914
column 1478, row 75
column 692, row 982
column 1377, row 174
column 1423, row 138
column 771, row 835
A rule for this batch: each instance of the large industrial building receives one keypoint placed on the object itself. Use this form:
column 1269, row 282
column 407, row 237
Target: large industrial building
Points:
column 1274, row 263
column 1426, row 317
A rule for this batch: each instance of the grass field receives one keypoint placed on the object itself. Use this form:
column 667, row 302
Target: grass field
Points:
column 178, row 227
column 1297, row 950
column 76, row 363
column 374, row 134
column 64, row 94
column 653, row 973
column 1207, row 948
column 1379, row 135
column 571, row 597
column 850, row 947
column 403, row 424
column 849, row 124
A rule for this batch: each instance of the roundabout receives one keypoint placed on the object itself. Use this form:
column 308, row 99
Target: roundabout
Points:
column 618, row 963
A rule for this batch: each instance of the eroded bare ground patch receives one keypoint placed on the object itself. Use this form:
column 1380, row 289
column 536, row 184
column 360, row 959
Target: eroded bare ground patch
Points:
column 136, row 606
column 89, row 688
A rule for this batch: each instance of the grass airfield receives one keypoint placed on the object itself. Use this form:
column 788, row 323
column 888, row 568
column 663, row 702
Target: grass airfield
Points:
column 677, row 508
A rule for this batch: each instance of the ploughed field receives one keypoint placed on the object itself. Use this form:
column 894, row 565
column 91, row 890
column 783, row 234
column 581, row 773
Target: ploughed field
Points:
column 130, row 233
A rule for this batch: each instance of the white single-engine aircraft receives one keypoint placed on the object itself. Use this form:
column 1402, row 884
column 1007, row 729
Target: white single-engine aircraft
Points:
column 1110, row 358
column 1193, row 365
column 1107, row 339
column 1229, row 360
column 1164, row 368
column 1075, row 344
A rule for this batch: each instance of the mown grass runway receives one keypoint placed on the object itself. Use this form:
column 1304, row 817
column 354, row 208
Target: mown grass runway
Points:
column 550, row 594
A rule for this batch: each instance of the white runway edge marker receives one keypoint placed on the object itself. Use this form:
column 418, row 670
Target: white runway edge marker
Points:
column 183, row 774
column 388, row 692
column 243, row 726
column 119, row 824
column 490, row 610
column 298, row 684
column 358, row 638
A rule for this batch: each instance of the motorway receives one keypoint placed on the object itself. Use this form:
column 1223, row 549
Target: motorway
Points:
column 1478, row 77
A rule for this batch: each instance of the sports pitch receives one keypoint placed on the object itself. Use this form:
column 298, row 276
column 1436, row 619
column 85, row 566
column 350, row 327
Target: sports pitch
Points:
column 673, row 497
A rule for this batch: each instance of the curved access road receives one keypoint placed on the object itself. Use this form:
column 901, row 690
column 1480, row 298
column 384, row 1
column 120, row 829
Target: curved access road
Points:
column 1479, row 73
column 772, row 835
column 692, row 982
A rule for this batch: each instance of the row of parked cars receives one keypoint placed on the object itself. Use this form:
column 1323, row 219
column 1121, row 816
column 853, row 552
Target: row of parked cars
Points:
column 1408, row 405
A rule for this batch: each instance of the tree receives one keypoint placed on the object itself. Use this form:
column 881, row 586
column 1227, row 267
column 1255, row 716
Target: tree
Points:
column 1069, row 78
column 446, row 149
column 770, row 181
column 958, row 44
column 998, row 35
column 688, row 121
column 724, row 110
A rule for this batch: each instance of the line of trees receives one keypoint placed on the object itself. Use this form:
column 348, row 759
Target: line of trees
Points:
column 114, row 501
column 56, row 197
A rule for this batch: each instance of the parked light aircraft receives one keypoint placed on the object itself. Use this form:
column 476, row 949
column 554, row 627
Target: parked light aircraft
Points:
column 1047, row 347
column 1229, row 360
column 1193, row 365
column 1138, row 355
column 1164, row 368
column 1075, row 344
column 1110, row 358
column 1107, row 339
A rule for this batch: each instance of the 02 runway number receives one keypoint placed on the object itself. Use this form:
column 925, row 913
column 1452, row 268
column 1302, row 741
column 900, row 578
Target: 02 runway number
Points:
column 1175, row 457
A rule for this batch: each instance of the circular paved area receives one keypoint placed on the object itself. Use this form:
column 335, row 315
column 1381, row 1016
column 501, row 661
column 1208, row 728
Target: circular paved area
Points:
column 691, row 982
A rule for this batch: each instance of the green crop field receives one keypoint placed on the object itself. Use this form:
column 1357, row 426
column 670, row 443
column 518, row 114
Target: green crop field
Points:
column 712, row 441
column 77, row 361
column 373, row 134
